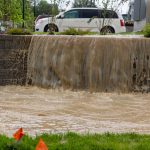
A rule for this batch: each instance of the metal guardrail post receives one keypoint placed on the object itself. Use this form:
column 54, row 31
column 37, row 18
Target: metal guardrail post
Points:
column 23, row 12
column 148, row 12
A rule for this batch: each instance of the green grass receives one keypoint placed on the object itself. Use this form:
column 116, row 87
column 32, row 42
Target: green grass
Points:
column 40, row 33
column 132, row 33
column 19, row 31
column 70, row 31
column 73, row 141
column 73, row 31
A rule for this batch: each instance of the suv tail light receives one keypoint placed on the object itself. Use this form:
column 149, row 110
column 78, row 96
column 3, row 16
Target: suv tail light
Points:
column 121, row 22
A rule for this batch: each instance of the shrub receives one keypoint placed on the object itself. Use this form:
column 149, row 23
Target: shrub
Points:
column 73, row 31
column 18, row 31
column 146, row 30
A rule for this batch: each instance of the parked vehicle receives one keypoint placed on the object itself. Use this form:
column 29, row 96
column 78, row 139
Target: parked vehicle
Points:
column 127, row 20
column 4, row 25
column 41, row 16
column 2, row 28
column 92, row 19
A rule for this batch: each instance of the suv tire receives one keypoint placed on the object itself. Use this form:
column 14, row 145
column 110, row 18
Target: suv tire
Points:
column 107, row 30
column 51, row 27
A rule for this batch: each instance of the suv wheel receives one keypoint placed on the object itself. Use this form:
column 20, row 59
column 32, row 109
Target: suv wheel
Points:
column 51, row 28
column 107, row 30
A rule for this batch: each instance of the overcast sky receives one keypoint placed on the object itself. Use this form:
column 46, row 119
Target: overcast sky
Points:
column 123, row 9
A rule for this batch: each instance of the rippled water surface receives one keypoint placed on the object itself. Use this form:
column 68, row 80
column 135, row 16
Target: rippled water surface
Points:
column 40, row 110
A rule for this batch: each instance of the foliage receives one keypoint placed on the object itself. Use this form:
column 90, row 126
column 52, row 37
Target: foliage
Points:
column 4, row 9
column 84, row 3
column 105, row 4
column 29, row 16
column 60, row 3
column 7, row 9
column 11, row 10
column 146, row 30
column 15, row 12
column 43, row 7
column 18, row 31
column 73, row 141
column 73, row 31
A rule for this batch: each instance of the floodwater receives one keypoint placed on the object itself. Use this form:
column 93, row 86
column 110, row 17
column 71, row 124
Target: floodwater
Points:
column 40, row 110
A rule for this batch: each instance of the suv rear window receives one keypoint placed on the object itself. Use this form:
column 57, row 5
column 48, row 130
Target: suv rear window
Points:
column 108, row 14
column 89, row 13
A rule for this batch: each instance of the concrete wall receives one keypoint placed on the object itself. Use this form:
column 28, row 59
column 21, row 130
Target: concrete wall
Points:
column 139, row 25
column 13, row 59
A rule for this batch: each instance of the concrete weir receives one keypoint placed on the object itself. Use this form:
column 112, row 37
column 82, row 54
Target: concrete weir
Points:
column 13, row 59
column 95, row 63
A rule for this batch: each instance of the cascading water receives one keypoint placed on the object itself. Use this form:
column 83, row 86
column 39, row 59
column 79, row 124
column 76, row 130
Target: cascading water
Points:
column 94, row 63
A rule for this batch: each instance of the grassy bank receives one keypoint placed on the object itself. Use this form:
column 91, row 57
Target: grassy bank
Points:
column 73, row 141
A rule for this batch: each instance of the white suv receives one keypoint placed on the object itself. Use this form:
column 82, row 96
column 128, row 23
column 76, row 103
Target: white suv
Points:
column 92, row 19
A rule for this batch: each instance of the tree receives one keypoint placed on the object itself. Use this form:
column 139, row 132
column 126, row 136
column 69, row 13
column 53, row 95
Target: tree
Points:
column 43, row 7
column 11, row 10
column 84, row 3
column 34, row 4
column 15, row 12
column 4, row 9
column 62, row 4
column 29, row 16
column 110, row 4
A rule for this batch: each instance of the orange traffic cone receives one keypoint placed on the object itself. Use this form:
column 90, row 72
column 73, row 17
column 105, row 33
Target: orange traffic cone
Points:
column 18, row 134
column 41, row 145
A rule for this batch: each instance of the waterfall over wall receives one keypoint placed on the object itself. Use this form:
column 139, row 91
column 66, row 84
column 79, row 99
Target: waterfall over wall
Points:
column 93, row 63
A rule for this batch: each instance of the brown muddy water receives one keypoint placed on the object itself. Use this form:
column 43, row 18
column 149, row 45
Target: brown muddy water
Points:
column 40, row 110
